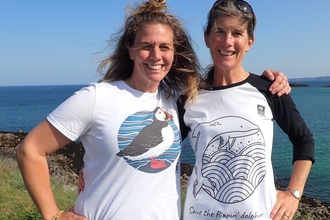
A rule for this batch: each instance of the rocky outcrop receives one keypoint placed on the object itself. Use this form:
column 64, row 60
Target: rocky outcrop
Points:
column 296, row 84
column 67, row 162
column 63, row 164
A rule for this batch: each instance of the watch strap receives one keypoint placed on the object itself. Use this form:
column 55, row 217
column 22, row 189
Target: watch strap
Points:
column 294, row 193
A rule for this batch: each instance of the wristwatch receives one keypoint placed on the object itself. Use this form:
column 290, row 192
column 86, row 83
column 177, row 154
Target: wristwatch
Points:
column 295, row 193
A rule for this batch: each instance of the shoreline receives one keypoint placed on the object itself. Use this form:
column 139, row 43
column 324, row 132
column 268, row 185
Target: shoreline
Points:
column 69, row 160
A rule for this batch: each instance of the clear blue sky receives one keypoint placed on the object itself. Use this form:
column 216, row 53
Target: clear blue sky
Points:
column 58, row 42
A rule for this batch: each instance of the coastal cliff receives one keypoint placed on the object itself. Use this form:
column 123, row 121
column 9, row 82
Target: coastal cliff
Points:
column 67, row 162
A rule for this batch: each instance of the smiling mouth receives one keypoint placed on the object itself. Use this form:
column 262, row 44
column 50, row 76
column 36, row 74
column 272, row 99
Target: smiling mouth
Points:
column 154, row 67
column 224, row 53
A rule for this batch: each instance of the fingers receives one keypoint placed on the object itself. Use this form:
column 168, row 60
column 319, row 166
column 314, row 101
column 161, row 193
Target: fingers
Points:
column 285, row 206
column 280, row 85
column 280, row 214
column 81, row 182
column 270, row 74
column 71, row 215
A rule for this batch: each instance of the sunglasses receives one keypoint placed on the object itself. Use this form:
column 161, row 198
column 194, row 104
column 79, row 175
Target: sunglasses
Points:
column 240, row 4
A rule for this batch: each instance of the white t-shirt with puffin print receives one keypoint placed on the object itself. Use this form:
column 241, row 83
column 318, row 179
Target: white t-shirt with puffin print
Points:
column 132, row 145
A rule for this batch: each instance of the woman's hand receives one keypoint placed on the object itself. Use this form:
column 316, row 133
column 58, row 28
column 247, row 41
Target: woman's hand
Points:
column 286, row 204
column 70, row 215
column 81, row 182
column 285, row 207
column 280, row 85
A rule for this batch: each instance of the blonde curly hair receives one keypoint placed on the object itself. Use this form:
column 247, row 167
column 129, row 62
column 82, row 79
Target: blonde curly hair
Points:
column 184, row 76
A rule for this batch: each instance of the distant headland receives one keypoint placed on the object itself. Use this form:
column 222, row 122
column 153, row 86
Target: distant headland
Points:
column 296, row 84
column 302, row 82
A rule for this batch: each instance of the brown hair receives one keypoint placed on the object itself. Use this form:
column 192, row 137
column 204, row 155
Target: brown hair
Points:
column 183, row 76
column 227, row 8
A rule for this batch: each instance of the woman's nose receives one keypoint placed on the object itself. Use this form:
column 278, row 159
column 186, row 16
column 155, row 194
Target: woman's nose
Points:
column 155, row 53
column 228, row 39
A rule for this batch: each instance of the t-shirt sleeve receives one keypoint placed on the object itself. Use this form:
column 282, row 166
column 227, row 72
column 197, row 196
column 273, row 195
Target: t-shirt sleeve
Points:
column 291, row 122
column 289, row 119
column 75, row 115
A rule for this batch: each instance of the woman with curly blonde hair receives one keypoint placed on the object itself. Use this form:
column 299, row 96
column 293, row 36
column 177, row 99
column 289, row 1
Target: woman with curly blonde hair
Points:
column 127, row 123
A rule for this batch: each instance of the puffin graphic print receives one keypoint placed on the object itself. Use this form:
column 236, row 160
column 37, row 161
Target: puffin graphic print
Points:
column 233, row 161
column 154, row 143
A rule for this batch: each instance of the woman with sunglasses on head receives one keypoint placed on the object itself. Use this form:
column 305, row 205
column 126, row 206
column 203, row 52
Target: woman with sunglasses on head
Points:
column 230, row 128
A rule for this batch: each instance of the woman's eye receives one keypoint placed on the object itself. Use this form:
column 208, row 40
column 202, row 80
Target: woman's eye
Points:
column 164, row 48
column 147, row 47
column 238, row 33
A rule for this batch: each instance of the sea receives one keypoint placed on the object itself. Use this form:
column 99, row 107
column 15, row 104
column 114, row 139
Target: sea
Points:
column 23, row 107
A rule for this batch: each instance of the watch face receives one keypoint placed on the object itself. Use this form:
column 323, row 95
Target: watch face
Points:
column 295, row 193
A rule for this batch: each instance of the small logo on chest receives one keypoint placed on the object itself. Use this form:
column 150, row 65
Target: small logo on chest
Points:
column 261, row 110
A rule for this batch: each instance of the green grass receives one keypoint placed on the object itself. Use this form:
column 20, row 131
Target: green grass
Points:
column 15, row 201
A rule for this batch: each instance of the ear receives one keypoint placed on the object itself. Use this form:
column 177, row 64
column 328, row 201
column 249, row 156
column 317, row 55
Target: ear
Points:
column 206, row 39
column 131, row 55
column 250, row 43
